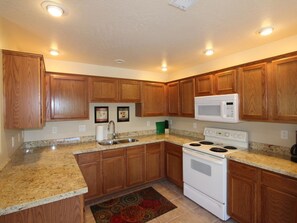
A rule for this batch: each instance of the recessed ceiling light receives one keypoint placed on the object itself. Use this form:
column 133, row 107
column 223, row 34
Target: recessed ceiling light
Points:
column 119, row 61
column 53, row 8
column 164, row 68
column 54, row 52
column 209, row 52
column 265, row 31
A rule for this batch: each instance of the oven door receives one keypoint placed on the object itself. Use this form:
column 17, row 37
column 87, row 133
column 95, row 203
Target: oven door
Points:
column 205, row 173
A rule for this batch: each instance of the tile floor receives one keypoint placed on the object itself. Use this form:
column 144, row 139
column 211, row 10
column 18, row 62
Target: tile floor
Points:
column 186, row 212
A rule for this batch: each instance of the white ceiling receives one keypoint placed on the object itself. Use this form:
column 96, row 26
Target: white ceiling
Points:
column 145, row 33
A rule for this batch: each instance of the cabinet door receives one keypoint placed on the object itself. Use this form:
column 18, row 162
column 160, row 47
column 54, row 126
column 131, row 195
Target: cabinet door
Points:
column 225, row 82
column 153, row 100
column 253, row 92
column 187, row 93
column 114, row 170
column 89, row 164
column 103, row 89
column 129, row 91
column 173, row 98
column 23, row 83
column 242, row 192
column 278, row 198
column 204, row 85
column 135, row 165
column 284, row 90
column 69, row 97
column 173, row 163
column 154, row 161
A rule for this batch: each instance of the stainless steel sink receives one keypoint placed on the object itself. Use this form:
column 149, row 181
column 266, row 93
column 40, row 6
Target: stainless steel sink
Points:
column 116, row 141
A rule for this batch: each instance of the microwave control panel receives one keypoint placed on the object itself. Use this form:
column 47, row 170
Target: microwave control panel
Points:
column 229, row 109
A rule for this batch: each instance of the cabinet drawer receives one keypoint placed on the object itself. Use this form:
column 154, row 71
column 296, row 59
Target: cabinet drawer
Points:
column 113, row 153
column 280, row 182
column 135, row 150
column 88, row 157
column 242, row 170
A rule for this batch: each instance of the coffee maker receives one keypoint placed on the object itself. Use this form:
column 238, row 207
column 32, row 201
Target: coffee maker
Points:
column 294, row 151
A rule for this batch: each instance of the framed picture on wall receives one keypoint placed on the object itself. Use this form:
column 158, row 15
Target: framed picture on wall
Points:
column 101, row 114
column 123, row 114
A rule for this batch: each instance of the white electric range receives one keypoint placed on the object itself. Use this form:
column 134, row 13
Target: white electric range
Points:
column 205, row 168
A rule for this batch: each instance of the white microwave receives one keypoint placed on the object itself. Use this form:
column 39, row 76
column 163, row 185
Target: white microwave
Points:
column 217, row 108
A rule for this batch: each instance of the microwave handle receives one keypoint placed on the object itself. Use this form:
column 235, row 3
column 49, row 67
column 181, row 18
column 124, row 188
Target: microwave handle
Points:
column 223, row 109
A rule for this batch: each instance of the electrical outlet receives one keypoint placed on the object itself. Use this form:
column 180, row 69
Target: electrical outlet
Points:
column 148, row 123
column 82, row 128
column 19, row 137
column 54, row 130
column 12, row 142
column 194, row 125
column 284, row 134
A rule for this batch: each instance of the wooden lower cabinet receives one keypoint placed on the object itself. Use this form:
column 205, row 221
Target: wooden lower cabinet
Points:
column 113, row 170
column 154, row 159
column 69, row 210
column 256, row 195
column 90, row 166
column 174, row 163
column 135, row 166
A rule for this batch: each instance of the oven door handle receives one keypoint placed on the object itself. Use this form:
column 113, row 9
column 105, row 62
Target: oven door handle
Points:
column 203, row 156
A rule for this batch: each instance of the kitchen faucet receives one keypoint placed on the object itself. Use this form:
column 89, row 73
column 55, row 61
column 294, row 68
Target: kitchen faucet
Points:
column 114, row 134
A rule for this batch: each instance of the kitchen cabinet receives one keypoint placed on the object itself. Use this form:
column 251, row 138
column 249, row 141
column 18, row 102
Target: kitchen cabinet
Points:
column 103, row 89
column 69, row 210
column 154, row 161
column 204, row 85
column 225, row 82
column 113, row 170
column 257, row 195
column 90, row 166
column 253, row 92
column 129, row 91
column 69, row 97
column 174, row 163
column 153, row 100
column 187, row 94
column 283, row 89
column 243, row 192
column 173, row 99
column 135, row 165
column 24, row 90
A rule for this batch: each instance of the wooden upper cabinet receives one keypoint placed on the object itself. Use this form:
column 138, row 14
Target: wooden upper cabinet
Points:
column 129, row 91
column 103, row 89
column 69, row 97
column 187, row 94
column 173, row 104
column 253, row 92
column 284, row 89
column 153, row 102
column 225, row 82
column 24, row 90
column 204, row 85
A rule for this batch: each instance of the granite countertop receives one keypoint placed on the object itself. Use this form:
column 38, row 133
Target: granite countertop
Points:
column 39, row 176
column 265, row 160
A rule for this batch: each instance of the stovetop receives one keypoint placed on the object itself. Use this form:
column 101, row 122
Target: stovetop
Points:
column 220, row 142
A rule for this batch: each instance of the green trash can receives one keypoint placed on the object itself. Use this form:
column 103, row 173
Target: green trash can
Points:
column 160, row 127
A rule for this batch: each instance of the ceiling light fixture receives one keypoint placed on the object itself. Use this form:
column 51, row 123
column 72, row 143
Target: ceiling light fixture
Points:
column 209, row 52
column 265, row 31
column 164, row 68
column 53, row 8
column 119, row 61
column 181, row 4
column 54, row 52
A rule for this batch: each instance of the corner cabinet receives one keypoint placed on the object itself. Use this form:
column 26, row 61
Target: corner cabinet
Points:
column 153, row 100
column 187, row 94
column 257, row 195
column 24, row 90
column 284, row 89
column 173, row 105
column 68, row 97
column 253, row 81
